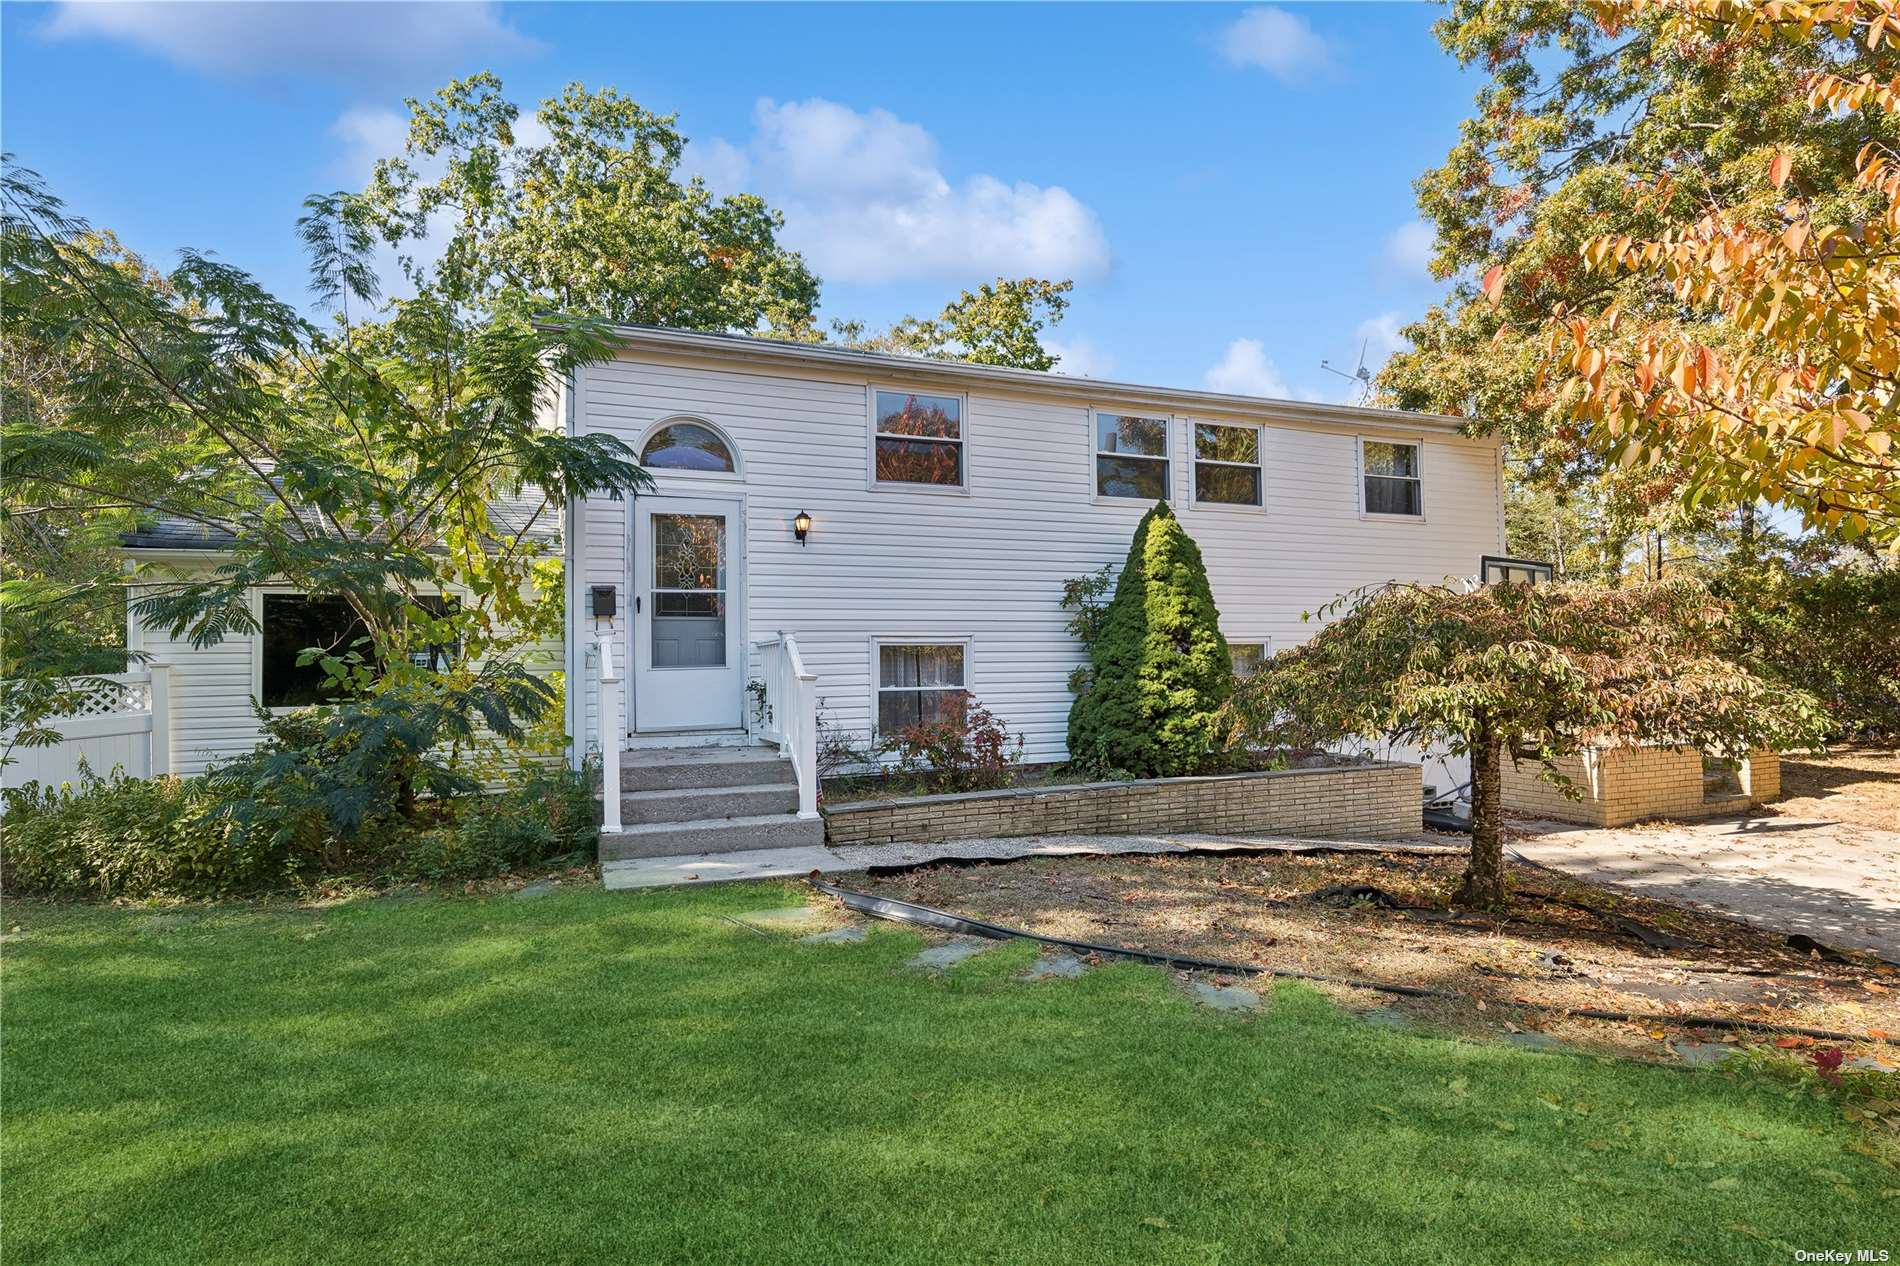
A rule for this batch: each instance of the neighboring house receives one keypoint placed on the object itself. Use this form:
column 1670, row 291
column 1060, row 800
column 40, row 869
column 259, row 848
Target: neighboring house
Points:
column 947, row 503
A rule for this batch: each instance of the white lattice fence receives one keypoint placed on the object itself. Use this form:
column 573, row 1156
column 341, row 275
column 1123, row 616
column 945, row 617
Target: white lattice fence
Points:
column 121, row 721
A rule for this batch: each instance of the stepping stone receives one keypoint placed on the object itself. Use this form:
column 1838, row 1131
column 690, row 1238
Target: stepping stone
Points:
column 1226, row 997
column 1701, row 1053
column 539, row 888
column 837, row 936
column 790, row 917
column 1869, row 1062
column 1533, row 1041
column 1055, row 964
column 1388, row 1017
column 950, row 953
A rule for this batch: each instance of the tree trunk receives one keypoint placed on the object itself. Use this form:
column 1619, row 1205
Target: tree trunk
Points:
column 1484, row 874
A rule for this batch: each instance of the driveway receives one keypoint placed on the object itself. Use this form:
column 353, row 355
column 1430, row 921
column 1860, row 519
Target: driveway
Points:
column 1838, row 882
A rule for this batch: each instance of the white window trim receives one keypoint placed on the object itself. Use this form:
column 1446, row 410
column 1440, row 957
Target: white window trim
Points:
column 1359, row 482
column 872, row 482
column 662, row 474
column 881, row 640
column 1260, row 450
column 1171, row 455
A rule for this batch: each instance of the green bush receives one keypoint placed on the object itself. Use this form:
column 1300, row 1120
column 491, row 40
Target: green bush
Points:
column 1835, row 634
column 174, row 837
column 129, row 837
column 1160, row 670
column 545, row 814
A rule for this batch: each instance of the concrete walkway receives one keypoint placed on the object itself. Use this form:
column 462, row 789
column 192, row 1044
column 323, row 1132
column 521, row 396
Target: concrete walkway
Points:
column 1836, row 882
column 780, row 863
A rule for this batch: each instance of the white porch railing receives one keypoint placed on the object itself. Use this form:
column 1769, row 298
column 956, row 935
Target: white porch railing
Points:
column 116, row 721
column 607, row 733
column 788, row 714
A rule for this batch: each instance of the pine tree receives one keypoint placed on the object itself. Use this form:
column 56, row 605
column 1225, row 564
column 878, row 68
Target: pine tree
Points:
column 1161, row 671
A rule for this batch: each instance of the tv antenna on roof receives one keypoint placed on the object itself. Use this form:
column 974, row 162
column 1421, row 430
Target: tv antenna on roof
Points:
column 1361, row 375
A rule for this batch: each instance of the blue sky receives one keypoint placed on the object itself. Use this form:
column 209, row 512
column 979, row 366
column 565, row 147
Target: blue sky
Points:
column 1229, row 186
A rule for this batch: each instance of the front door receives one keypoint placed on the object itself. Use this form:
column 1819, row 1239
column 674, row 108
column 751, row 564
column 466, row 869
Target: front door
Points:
column 689, row 586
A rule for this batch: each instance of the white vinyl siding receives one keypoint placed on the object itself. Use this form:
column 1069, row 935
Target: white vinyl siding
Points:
column 986, row 568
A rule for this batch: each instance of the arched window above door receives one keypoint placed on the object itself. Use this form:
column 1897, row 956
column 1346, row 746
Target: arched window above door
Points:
column 689, row 444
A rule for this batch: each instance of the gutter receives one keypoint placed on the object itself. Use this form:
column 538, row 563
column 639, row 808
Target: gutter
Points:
column 879, row 366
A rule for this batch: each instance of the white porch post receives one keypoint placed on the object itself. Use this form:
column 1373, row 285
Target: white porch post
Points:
column 607, row 717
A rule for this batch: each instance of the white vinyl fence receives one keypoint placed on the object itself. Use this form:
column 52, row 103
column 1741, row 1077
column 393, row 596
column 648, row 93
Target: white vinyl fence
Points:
column 123, row 721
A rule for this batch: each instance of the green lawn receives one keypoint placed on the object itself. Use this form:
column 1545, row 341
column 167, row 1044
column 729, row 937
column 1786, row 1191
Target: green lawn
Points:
column 628, row 1077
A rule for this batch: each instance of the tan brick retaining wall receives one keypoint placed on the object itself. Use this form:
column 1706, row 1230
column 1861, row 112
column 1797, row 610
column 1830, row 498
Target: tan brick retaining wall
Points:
column 1621, row 785
column 1372, row 801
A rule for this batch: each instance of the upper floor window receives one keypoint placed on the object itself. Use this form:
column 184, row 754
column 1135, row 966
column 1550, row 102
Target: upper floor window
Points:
column 687, row 446
column 1391, row 474
column 1131, row 457
column 917, row 439
column 1226, row 465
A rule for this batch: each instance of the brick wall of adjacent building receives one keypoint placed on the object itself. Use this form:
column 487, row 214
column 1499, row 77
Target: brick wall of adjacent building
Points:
column 1369, row 801
column 1620, row 785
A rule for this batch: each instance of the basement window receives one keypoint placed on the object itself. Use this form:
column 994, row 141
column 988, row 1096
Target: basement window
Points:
column 917, row 681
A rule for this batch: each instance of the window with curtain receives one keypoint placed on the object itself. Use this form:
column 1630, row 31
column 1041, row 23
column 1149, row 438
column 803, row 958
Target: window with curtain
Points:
column 915, row 681
column 1392, row 478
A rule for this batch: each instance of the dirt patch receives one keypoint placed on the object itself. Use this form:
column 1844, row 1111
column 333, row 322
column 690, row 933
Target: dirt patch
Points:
column 1858, row 785
column 1563, row 943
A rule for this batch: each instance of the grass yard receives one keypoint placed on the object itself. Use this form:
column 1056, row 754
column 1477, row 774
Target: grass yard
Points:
column 591, row 1076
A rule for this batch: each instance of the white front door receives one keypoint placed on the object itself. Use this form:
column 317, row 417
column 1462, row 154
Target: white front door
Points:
column 689, row 648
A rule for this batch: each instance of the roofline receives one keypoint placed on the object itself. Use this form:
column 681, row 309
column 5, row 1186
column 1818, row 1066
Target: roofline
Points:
column 746, row 347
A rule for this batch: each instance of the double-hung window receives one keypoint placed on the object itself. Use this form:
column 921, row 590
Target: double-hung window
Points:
column 298, row 631
column 1390, row 472
column 1226, row 465
column 918, row 682
column 917, row 439
column 1131, row 457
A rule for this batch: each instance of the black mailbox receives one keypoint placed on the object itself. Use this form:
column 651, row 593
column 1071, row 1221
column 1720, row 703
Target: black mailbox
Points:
column 601, row 601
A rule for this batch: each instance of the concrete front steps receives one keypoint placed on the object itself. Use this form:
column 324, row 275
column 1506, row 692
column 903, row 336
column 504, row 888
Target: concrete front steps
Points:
column 699, row 800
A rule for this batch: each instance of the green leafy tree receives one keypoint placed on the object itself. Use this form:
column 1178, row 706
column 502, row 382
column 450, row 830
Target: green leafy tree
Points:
column 1591, row 124
column 595, row 221
column 1520, row 672
column 998, row 323
column 1160, row 669
column 383, row 464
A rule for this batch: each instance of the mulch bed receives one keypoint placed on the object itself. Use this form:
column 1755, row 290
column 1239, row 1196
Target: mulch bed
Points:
column 1561, row 943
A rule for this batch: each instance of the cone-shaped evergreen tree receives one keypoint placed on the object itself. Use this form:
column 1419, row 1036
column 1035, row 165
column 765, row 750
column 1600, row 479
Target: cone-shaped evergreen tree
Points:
column 1161, row 669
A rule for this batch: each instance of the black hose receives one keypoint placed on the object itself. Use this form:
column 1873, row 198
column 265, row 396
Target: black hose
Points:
column 911, row 912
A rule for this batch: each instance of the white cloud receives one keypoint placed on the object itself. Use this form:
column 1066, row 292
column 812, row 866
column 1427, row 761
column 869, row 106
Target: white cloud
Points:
column 1408, row 251
column 1244, row 370
column 865, row 198
column 367, row 133
column 1381, row 337
column 359, row 43
column 1080, row 358
column 1283, row 44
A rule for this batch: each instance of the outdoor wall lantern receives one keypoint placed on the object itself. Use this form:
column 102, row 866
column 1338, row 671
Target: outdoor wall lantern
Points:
column 801, row 524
